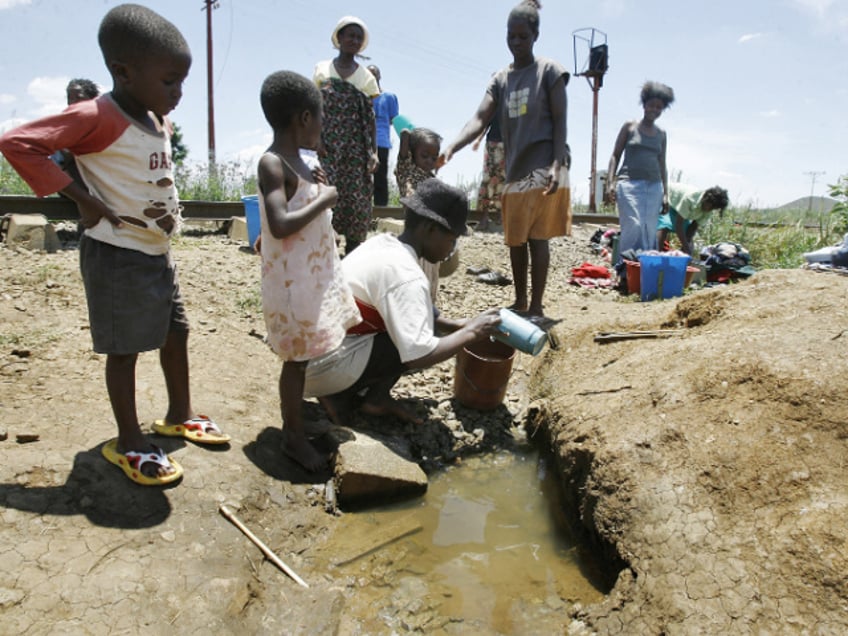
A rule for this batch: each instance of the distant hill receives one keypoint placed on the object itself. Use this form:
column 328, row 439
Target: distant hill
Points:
column 806, row 210
column 815, row 204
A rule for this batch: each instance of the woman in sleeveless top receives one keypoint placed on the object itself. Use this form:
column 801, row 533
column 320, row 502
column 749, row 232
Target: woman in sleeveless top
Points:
column 640, row 186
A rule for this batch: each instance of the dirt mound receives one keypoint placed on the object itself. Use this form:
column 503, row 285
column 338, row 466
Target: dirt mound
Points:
column 711, row 464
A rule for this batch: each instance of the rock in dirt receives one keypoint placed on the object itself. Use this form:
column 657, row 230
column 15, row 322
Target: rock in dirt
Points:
column 367, row 471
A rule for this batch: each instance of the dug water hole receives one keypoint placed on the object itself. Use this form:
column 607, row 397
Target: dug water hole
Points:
column 486, row 550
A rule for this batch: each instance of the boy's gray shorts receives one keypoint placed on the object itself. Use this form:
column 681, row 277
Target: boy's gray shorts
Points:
column 133, row 298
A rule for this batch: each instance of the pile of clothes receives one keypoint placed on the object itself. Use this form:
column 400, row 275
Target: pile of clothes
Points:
column 603, row 241
column 726, row 261
column 594, row 276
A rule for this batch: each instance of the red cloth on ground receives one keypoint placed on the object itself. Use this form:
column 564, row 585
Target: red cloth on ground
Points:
column 588, row 270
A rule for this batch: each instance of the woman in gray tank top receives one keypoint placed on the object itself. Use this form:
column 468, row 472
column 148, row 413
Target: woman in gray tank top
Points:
column 640, row 186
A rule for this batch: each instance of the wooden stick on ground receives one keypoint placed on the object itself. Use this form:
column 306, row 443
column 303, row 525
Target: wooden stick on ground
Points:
column 229, row 514
column 615, row 336
column 374, row 539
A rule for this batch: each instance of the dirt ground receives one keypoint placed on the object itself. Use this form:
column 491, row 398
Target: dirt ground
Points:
column 708, row 467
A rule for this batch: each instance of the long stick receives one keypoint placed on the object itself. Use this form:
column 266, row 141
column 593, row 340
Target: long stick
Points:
column 614, row 336
column 229, row 514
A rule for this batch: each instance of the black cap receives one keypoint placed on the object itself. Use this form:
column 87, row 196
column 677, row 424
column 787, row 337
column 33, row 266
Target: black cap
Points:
column 439, row 202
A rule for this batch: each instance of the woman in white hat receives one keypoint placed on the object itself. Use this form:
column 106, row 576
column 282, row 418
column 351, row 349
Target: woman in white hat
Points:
column 349, row 137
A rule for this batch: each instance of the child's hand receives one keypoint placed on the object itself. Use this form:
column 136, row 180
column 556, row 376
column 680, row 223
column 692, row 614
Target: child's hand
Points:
column 319, row 175
column 327, row 196
column 92, row 210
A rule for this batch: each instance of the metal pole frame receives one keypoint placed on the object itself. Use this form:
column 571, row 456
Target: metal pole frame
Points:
column 595, row 83
column 209, row 5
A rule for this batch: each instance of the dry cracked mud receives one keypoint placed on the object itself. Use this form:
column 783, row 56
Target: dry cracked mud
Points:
column 709, row 468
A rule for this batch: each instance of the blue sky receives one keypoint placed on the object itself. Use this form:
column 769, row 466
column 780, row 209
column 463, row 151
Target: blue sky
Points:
column 762, row 99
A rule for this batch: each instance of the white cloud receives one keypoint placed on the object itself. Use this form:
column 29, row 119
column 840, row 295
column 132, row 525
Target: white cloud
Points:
column 731, row 158
column 49, row 94
column 750, row 36
column 770, row 113
column 6, row 98
column 9, row 4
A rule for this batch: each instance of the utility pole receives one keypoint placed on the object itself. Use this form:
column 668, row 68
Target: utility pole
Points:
column 813, row 174
column 208, row 6
column 594, row 69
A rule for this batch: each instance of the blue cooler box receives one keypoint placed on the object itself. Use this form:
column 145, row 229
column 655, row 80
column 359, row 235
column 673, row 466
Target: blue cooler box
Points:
column 662, row 276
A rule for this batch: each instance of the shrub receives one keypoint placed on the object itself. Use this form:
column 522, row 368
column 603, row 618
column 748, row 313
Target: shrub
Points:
column 839, row 191
column 10, row 181
column 223, row 182
column 778, row 244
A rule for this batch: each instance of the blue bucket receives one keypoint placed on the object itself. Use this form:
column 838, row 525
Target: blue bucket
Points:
column 251, row 215
column 662, row 276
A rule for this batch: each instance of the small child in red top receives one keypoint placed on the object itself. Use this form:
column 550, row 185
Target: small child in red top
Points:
column 417, row 158
column 130, row 209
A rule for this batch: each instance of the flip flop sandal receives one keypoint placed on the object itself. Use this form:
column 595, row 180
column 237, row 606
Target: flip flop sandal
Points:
column 200, row 429
column 476, row 271
column 132, row 461
column 494, row 278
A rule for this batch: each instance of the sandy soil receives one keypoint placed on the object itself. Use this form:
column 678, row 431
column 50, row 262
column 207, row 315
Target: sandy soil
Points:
column 709, row 467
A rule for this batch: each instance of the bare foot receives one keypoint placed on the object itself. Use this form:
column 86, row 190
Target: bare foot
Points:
column 389, row 406
column 300, row 450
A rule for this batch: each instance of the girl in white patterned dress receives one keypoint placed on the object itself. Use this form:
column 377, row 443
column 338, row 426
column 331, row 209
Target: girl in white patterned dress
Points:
column 307, row 305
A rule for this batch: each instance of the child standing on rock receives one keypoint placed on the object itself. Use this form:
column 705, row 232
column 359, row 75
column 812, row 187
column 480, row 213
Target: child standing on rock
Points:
column 121, row 142
column 307, row 305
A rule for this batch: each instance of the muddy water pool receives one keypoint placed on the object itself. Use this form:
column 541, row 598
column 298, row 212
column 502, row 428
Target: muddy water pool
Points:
column 487, row 551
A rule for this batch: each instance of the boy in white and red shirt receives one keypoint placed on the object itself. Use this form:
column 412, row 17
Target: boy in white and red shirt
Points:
column 130, row 209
